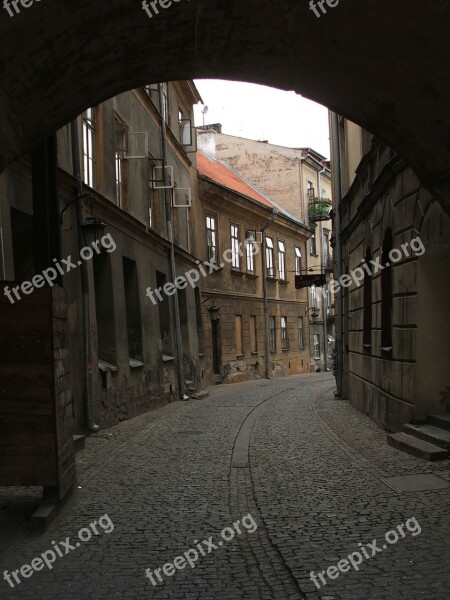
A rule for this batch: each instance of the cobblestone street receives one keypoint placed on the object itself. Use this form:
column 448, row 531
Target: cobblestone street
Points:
column 314, row 484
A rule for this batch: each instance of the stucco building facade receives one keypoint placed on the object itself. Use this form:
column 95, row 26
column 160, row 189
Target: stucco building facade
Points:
column 299, row 180
column 395, row 321
column 258, row 249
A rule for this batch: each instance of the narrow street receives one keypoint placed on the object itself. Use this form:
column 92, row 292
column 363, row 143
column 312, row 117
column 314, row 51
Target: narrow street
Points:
column 314, row 485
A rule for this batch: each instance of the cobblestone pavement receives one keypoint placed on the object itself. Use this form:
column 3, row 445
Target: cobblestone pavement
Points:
column 314, row 486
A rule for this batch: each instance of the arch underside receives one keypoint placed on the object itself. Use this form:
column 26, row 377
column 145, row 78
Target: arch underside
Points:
column 380, row 63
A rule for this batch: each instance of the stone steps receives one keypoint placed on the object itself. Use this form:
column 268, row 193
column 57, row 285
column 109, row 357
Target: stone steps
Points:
column 441, row 420
column 416, row 447
column 430, row 433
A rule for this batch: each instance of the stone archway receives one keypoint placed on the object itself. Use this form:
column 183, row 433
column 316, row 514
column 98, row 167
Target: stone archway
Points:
column 380, row 63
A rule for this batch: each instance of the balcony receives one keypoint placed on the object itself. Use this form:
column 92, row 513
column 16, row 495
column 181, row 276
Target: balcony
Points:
column 319, row 209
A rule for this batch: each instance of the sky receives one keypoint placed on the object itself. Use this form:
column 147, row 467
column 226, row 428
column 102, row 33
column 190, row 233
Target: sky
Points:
column 262, row 113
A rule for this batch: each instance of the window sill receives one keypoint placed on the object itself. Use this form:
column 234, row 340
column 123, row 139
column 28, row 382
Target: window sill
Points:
column 237, row 272
column 254, row 353
column 283, row 282
column 251, row 275
column 106, row 366
column 135, row 363
column 201, row 355
column 167, row 358
column 240, row 357
column 386, row 349
column 272, row 279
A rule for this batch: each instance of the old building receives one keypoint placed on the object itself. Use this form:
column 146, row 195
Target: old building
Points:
column 395, row 322
column 92, row 222
column 255, row 320
column 299, row 180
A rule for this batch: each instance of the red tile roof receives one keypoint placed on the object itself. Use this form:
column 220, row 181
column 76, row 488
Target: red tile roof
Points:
column 219, row 173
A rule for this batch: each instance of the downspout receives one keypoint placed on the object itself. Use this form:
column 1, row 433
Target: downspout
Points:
column 324, row 289
column 173, row 269
column 265, row 299
column 337, row 191
column 87, row 353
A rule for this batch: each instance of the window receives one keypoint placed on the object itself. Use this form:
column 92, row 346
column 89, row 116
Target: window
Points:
column 104, row 308
column 367, row 299
column 298, row 261
column 284, row 333
column 133, row 309
column 301, row 341
column 270, row 269
column 282, row 260
column 272, row 335
column 313, row 243
column 184, row 122
column 235, row 246
column 211, row 238
column 165, row 328
column 316, row 348
column 314, row 297
column 238, row 325
column 386, row 294
column 164, row 109
column 198, row 316
column 253, row 335
column 250, row 248
column 310, row 191
column 89, row 148
column 121, row 168
column 326, row 250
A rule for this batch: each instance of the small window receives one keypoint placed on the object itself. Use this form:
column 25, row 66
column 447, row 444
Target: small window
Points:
column 301, row 340
column 253, row 335
column 211, row 238
column 250, row 249
column 386, row 293
column 272, row 335
column 132, row 309
column 282, row 260
column 313, row 243
column 270, row 269
column 284, row 334
column 314, row 297
column 121, row 168
column 89, row 147
column 239, row 346
column 298, row 261
column 367, row 311
column 235, row 246
column 316, row 348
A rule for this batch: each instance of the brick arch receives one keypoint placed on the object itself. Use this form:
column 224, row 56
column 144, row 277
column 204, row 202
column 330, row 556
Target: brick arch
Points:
column 377, row 62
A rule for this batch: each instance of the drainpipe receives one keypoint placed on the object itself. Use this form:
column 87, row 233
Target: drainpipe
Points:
column 337, row 191
column 324, row 295
column 266, row 301
column 173, row 269
column 87, row 353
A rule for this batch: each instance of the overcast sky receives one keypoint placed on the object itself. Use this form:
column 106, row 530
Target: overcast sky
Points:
column 262, row 113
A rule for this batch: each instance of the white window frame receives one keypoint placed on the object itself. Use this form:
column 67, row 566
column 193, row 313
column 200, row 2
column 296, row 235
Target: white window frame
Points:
column 211, row 237
column 298, row 260
column 270, row 269
column 89, row 147
column 284, row 334
column 235, row 258
column 316, row 346
column 282, row 260
column 301, row 333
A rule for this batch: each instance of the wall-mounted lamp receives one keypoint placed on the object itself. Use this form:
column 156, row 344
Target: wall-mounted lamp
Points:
column 92, row 228
column 314, row 313
column 213, row 313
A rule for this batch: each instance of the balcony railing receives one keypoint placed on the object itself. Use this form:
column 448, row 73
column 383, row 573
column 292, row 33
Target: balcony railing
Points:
column 319, row 209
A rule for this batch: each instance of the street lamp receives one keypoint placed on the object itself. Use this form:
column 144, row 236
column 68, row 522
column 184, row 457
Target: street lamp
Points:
column 213, row 313
column 92, row 228
column 314, row 313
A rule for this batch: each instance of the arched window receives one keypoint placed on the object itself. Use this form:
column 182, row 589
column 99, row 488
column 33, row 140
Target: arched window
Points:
column 367, row 291
column 386, row 294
